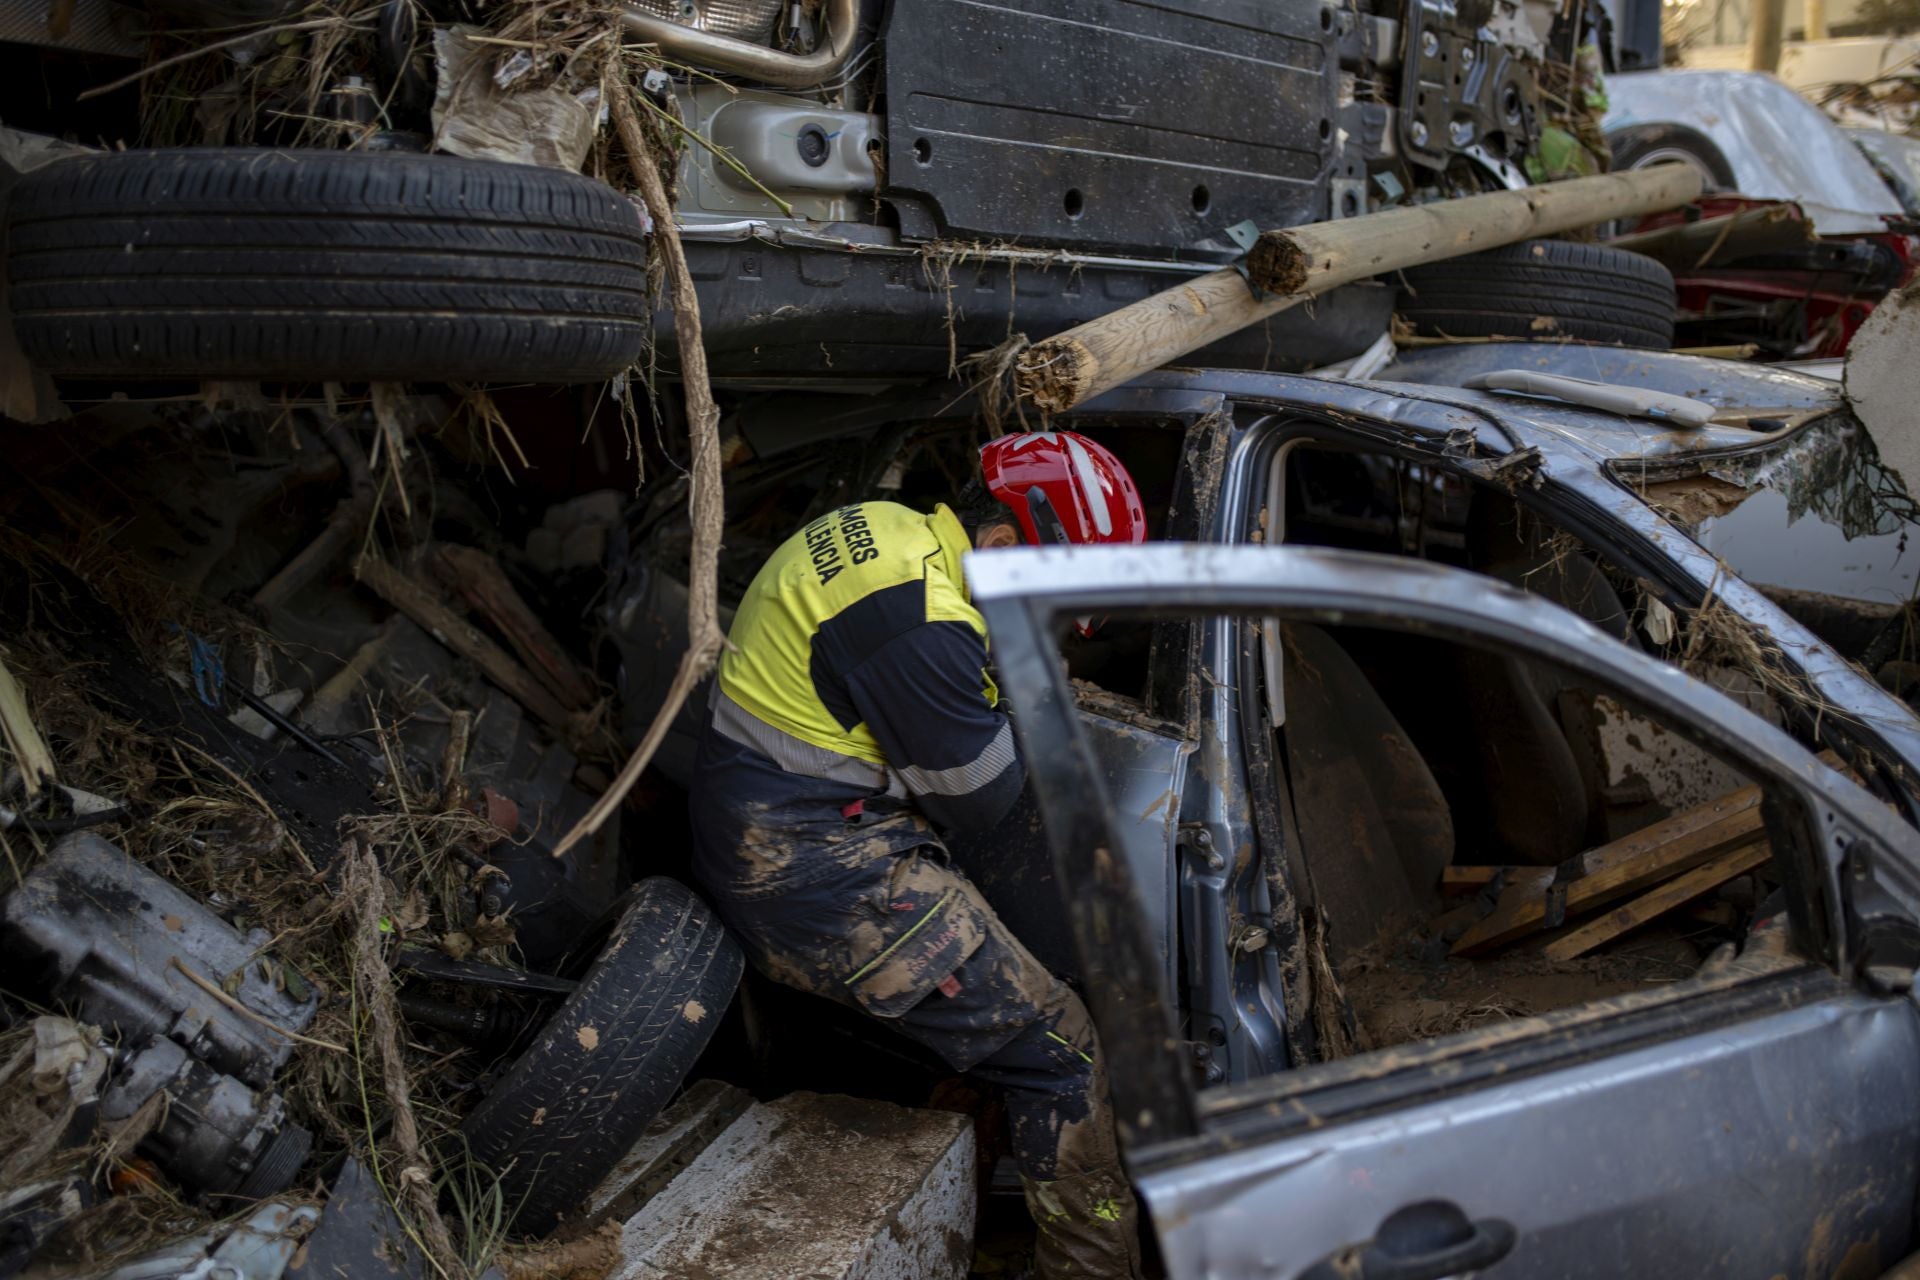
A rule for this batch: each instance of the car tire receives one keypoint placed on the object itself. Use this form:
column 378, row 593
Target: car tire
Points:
column 574, row 1103
column 1543, row 290
column 324, row 266
column 1639, row 146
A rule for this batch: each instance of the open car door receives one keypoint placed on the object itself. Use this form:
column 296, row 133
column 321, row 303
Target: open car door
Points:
column 1759, row 1118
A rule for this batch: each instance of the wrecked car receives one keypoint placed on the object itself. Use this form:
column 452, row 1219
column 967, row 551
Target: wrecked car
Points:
column 855, row 199
column 1583, row 1141
column 1793, row 246
column 1376, row 466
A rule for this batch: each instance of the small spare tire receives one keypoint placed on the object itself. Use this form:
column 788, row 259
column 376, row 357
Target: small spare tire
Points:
column 1543, row 290
column 345, row 266
column 575, row 1102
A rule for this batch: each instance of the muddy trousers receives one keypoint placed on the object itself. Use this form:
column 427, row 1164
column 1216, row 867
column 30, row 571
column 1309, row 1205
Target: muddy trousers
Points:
column 918, row 948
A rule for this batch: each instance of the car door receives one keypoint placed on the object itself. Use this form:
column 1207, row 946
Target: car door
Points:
column 1761, row 1118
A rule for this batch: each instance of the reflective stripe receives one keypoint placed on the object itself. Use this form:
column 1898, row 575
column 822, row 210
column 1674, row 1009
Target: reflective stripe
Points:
column 964, row 779
column 795, row 755
column 1090, row 489
column 898, row 942
column 1055, row 1035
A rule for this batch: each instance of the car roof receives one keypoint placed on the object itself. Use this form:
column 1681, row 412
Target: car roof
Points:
column 1773, row 401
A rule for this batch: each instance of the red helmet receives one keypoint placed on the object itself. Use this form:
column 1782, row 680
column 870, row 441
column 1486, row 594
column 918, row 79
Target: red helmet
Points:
column 1063, row 487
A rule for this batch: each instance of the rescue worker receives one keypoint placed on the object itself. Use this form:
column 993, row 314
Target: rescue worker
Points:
column 853, row 720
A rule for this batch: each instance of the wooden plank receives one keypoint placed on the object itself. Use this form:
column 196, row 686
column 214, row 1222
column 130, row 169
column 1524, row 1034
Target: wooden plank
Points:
column 479, row 579
column 1625, row 866
column 1292, row 265
column 671, row 1141
column 1457, row 880
column 1676, row 892
column 421, row 604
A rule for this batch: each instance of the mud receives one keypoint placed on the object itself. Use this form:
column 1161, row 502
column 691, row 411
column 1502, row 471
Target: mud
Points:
column 1115, row 706
column 831, row 1172
column 592, row 1258
column 1694, row 499
column 1399, row 995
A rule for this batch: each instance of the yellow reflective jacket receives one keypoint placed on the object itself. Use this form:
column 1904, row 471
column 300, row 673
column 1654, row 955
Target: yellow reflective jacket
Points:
column 857, row 658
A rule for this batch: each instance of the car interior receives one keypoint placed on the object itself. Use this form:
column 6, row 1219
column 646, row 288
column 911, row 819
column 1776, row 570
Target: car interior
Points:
column 1426, row 776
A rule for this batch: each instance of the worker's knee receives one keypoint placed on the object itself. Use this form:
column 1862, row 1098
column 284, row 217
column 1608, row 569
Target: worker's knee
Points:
column 1058, row 1114
column 1054, row 1056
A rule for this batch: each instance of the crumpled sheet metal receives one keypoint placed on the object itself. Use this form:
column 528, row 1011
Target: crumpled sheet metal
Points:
column 1781, row 146
column 477, row 116
column 1829, row 469
column 258, row 1249
column 1897, row 160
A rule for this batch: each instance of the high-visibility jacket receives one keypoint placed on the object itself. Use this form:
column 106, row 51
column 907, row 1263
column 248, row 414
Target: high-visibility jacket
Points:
column 858, row 671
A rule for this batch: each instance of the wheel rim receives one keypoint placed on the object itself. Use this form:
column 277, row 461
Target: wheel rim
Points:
column 1668, row 155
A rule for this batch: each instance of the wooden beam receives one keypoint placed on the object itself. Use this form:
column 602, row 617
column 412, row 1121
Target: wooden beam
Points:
column 1455, row 881
column 420, row 603
column 1737, row 861
column 479, row 579
column 1625, row 866
column 1293, row 265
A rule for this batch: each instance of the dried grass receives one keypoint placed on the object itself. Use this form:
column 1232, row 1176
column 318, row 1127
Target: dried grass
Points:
column 991, row 374
column 303, row 81
column 1716, row 636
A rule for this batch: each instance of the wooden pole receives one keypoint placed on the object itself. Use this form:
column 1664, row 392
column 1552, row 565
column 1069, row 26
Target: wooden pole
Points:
column 1816, row 20
column 1763, row 35
column 1292, row 265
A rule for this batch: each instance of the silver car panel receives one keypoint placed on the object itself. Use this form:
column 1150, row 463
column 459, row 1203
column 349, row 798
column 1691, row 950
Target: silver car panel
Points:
column 1780, row 1145
column 1747, row 114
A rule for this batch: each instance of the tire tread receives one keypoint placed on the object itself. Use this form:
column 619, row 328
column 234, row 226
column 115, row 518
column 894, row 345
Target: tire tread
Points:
column 324, row 265
column 1544, row 289
column 566, row 1111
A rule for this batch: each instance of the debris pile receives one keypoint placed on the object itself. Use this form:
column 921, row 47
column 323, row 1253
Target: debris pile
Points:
column 245, row 836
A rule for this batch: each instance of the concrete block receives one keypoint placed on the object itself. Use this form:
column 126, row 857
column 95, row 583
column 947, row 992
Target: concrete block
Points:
column 815, row 1187
column 674, row 1140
